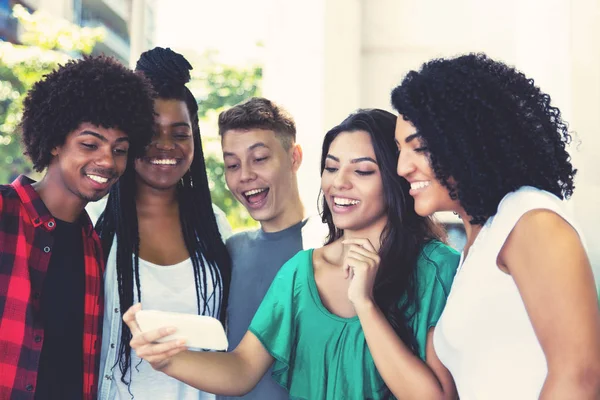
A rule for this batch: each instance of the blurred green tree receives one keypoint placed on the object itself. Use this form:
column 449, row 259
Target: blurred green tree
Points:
column 46, row 43
column 218, row 86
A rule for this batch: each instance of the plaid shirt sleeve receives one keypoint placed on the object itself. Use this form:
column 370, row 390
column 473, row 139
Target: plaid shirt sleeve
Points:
column 25, row 248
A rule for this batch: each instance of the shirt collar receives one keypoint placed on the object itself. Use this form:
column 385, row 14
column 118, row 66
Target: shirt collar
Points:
column 37, row 210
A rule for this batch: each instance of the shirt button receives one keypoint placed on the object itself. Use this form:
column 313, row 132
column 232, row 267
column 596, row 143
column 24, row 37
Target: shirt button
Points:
column 116, row 310
column 29, row 387
column 37, row 338
column 108, row 377
column 47, row 249
column 112, row 345
column 51, row 224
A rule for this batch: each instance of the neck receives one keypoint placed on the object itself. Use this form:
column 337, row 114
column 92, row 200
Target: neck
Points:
column 471, row 230
column 371, row 232
column 62, row 203
column 149, row 199
column 293, row 214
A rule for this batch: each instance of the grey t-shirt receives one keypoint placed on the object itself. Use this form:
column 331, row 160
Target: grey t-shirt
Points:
column 256, row 257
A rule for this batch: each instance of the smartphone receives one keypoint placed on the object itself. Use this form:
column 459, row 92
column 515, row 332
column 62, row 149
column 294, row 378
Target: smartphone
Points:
column 199, row 331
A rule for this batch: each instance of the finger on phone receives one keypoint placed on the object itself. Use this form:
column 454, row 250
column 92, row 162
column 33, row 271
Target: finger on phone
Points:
column 129, row 318
column 160, row 349
column 143, row 338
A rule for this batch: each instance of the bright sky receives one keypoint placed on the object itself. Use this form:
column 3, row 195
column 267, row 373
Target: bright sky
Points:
column 231, row 26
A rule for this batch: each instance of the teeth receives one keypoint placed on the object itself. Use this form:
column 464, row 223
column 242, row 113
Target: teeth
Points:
column 165, row 161
column 99, row 179
column 419, row 185
column 341, row 201
column 253, row 192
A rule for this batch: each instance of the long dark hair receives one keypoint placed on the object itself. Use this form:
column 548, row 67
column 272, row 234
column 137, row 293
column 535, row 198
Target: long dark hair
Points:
column 168, row 71
column 405, row 232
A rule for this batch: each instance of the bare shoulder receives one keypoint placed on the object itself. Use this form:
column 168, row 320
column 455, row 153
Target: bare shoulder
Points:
column 540, row 233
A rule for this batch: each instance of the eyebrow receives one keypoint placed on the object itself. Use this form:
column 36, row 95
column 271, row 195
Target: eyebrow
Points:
column 102, row 138
column 178, row 124
column 354, row 160
column 253, row 147
column 410, row 138
column 257, row 145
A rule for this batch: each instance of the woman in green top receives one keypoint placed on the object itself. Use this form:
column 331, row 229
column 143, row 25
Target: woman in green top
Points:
column 353, row 319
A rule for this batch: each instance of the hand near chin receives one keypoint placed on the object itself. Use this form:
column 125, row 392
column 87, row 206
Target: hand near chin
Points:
column 144, row 343
column 360, row 265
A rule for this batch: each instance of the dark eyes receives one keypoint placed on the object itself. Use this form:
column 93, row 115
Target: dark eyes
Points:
column 92, row 147
column 232, row 167
column 365, row 173
column 422, row 149
column 359, row 172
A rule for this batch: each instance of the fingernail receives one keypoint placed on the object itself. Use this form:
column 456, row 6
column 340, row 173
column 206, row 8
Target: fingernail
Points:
column 171, row 330
column 181, row 342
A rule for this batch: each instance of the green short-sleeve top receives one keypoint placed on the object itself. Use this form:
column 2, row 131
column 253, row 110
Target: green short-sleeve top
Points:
column 321, row 356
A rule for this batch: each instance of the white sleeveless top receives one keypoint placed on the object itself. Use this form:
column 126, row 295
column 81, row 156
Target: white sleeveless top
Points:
column 484, row 336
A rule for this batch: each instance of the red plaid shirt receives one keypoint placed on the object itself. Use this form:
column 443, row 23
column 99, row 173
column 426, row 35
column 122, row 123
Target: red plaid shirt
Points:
column 26, row 242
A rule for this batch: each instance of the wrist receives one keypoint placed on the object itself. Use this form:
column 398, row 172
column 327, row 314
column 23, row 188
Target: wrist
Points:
column 365, row 305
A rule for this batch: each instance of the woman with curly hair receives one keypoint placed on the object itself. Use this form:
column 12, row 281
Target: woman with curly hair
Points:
column 350, row 320
column 478, row 138
column 161, row 235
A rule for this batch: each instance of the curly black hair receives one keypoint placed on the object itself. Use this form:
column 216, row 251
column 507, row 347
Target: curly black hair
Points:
column 489, row 128
column 97, row 90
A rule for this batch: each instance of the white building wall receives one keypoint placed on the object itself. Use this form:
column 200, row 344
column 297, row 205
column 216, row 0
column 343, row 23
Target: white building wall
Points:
column 329, row 57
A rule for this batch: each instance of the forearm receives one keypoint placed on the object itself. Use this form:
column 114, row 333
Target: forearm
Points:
column 405, row 374
column 219, row 373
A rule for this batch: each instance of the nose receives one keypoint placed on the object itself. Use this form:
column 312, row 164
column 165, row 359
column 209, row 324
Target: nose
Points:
column 405, row 165
column 163, row 142
column 247, row 174
column 106, row 159
column 341, row 181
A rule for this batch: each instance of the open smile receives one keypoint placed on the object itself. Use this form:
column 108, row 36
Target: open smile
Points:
column 163, row 161
column 256, row 198
column 343, row 204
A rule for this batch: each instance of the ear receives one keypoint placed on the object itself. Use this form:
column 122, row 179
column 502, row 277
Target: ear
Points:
column 296, row 153
column 54, row 151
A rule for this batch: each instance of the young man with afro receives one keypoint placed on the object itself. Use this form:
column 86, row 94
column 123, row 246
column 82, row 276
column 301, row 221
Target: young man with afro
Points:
column 83, row 123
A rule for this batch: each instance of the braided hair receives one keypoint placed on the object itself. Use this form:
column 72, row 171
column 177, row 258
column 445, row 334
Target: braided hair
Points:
column 168, row 72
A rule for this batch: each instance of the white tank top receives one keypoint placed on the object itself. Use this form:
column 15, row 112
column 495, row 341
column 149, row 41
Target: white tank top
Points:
column 484, row 336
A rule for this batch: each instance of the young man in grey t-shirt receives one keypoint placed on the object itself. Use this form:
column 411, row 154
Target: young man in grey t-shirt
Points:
column 261, row 164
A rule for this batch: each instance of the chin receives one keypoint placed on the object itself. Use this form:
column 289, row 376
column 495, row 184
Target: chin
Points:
column 162, row 185
column 91, row 198
column 424, row 211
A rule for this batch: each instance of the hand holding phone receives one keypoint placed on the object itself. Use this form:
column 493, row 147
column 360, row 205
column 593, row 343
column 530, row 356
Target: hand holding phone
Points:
column 199, row 331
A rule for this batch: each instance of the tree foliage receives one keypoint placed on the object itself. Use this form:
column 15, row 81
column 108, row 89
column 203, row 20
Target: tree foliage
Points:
column 46, row 43
column 218, row 86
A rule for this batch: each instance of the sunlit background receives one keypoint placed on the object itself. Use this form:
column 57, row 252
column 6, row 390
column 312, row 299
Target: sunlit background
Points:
column 320, row 59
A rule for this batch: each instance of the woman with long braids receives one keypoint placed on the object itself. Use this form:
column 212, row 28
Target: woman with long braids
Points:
column 161, row 236
column 479, row 138
column 354, row 319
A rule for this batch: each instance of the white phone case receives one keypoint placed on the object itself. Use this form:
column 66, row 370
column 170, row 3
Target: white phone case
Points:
column 199, row 331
